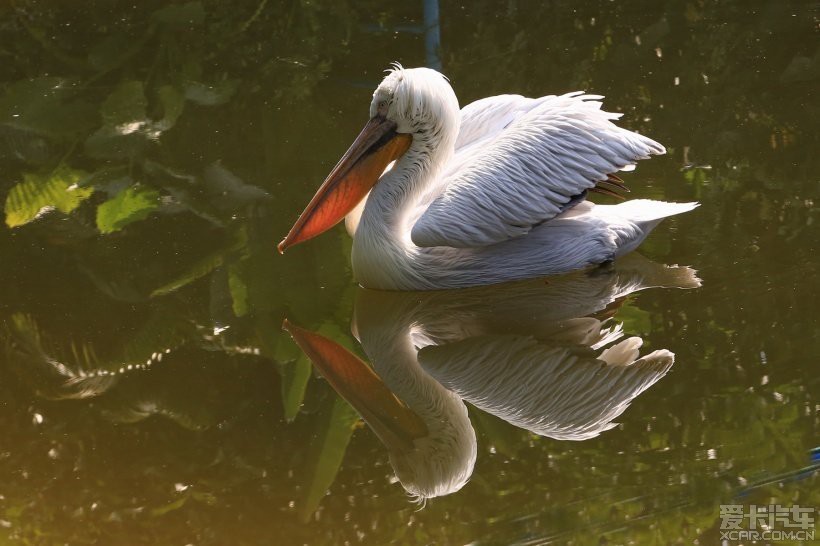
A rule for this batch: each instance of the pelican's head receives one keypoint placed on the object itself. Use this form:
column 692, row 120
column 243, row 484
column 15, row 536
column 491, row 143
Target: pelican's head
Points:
column 410, row 106
column 420, row 101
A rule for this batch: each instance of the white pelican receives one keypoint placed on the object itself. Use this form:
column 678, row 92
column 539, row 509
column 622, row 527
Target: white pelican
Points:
column 526, row 352
column 492, row 193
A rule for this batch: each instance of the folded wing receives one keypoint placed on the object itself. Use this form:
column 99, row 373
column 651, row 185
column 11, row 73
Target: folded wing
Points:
column 520, row 162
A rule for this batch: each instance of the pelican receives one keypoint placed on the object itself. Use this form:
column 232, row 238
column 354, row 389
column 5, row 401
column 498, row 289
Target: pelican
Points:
column 436, row 197
column 541, row 357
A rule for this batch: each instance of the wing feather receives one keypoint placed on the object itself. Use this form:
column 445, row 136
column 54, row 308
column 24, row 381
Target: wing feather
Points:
column 519, row 162
column 486, row 117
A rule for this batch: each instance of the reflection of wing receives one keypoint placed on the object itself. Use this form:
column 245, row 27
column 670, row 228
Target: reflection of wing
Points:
column 530, row 352
column 531, row 307
column 543, row 156
column 564, row 392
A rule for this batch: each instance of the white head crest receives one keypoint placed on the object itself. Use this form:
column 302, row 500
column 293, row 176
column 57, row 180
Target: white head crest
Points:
column 417, row 99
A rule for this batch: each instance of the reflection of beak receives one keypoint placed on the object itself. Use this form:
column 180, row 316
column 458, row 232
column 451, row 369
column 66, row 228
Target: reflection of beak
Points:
column 394, row 423
column 359, row 169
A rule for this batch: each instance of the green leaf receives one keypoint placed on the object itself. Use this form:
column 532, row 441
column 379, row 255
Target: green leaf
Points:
column 106, row 177
column 38, row 194
column 499, row 434
column 332, row 331
column 238, row 288
column 204, row 497
column 295, row 377
column 198, row 270
column 273, row 344
column 125, row 105
column 335, row 428
column 185, row 189
column 205, row 265
column 634, row 319
column 126, row 128
column 170, row 507
column 46, row 106
column 130, row 205
column 173, row 102
column 109, row 142
column 228, row 191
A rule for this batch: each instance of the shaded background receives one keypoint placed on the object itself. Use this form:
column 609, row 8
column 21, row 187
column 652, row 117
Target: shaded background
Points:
column 190, row 136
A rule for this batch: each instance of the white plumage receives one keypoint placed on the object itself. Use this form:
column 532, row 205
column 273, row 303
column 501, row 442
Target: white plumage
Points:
column 528, row 171
column 551, row 387
column 495, row 192
column 538, row 356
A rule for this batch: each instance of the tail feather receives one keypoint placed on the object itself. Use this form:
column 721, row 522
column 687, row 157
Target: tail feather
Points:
column 647, row 210
column 638, row 217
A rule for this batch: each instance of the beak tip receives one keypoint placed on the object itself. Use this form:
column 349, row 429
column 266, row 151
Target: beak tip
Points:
column 282, row 246
column 286, row 325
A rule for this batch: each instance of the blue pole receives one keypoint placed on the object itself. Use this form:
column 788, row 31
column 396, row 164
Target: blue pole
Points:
column 432, row 34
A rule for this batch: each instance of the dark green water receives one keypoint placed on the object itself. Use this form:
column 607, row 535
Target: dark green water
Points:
column 150, row 159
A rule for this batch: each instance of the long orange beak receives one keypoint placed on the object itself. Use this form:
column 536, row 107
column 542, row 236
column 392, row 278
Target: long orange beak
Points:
column 347, row 184
column 394, row 423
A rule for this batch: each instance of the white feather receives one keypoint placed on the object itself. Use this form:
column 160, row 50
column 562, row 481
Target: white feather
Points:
column 526, row 352
column 527, row 171
column 490, row 193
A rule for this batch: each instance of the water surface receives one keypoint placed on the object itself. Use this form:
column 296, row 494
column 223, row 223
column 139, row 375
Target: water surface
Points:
column 148, row 394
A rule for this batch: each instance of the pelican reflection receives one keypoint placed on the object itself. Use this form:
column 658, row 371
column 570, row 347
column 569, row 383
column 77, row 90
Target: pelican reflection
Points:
column 545, row 356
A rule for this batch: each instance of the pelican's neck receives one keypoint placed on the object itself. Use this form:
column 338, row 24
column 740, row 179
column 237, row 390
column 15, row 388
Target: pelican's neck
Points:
column 411, row 179
column 382, row 244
